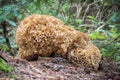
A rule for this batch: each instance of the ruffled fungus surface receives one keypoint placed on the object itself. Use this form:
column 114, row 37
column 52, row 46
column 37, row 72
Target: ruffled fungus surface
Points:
column 43, row 35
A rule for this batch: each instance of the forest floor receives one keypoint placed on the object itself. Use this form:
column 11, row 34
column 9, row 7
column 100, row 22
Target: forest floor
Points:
column 57, row 68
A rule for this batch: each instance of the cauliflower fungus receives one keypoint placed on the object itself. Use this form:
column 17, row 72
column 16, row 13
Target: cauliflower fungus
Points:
column 43, row 35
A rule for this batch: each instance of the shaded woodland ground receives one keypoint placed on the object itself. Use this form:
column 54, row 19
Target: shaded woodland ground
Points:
column 57, row 68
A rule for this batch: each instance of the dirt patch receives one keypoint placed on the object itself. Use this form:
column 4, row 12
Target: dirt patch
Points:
column 58, row 68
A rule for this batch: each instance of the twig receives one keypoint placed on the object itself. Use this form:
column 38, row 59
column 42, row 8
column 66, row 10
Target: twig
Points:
column 79, row 9
column 3, row 56
column 100, row 27
column 5, row 34
column 36, row 74
column 97, row 15
column 28, row 63
column 88, row 25
column 88, row 9
column 37, row 70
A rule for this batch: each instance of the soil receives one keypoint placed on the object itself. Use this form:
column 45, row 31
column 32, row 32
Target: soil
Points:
column 57, row 68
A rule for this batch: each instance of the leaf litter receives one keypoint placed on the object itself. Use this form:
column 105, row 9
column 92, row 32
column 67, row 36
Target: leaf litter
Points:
column 57, row 68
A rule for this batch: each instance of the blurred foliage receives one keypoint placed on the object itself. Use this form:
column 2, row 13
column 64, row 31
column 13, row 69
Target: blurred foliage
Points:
column 4, row 66
column 99, row 18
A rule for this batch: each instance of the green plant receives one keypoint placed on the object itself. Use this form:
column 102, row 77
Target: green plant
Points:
column 4, row 66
